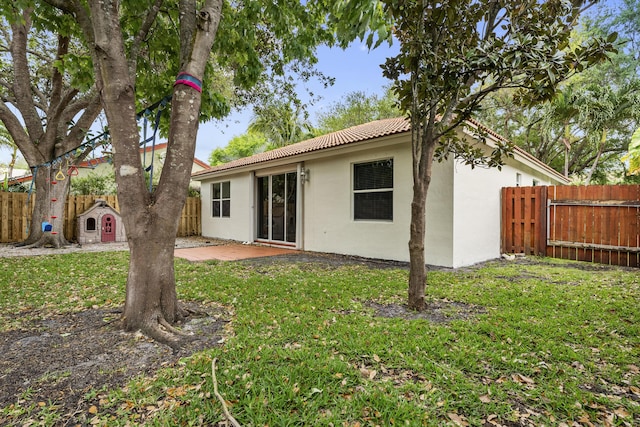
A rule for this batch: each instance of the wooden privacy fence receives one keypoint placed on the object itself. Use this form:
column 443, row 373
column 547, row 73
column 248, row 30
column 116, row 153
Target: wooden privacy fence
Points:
column 596, row 223
column 15, row 215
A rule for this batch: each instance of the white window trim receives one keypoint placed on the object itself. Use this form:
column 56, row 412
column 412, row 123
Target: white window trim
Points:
column 373, row 190
column 221, row 199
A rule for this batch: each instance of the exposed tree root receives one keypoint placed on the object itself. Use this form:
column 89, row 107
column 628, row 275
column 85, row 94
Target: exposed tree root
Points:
column 169, row 328
column 45, row 240
column 158, row 329
column 184, row 312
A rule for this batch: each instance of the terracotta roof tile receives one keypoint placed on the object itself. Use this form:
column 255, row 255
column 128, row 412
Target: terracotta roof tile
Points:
column 350, row 135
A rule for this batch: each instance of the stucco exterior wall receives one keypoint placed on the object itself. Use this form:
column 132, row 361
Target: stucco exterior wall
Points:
column 477, row 208
column 438, row 243
column 328, row 200
column 328, row 203
column 239, row 225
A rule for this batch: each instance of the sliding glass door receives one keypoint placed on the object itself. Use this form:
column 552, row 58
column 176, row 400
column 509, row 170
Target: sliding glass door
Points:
column 277, row 207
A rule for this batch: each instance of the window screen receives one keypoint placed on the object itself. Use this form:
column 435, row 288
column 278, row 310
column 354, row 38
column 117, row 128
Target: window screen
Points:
column 373, row 190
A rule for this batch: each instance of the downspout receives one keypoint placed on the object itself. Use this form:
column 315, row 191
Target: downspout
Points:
column 300, row 206
column 253, row 218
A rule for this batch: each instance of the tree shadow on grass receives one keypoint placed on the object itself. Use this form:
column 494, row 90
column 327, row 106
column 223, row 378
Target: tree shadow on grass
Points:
column 435, row 311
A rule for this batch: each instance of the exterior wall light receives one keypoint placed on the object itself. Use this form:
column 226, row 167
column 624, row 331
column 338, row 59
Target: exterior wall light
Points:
column 304, row 175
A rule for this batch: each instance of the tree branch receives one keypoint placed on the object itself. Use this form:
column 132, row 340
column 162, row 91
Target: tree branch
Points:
column 20, row 137
column 492, row 21
column 79, row 130
column 142, row 35
column 188, row 10
column 56, row 77
column 22, row 78
column 219, row 396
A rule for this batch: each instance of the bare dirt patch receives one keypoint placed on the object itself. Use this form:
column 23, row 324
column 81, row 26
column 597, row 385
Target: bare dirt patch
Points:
column 61, row 359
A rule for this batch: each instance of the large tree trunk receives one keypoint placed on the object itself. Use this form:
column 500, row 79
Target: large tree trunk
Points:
column 50, row 197
column 151, row 303
column 50, row 124
column 423, row 146
column 151, row 219
column 422, row 168
column 417, row 265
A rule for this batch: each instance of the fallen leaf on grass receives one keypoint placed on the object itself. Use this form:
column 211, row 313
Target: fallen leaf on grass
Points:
column 485, row 398
column 622, row 412
column 459, row 420
column 519, row 378
column 493, row 420
column 176, row 391
column 368, row 373
column 584, row 420
column 315, row 391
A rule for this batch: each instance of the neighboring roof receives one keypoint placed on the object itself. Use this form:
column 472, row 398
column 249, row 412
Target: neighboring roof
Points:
column 19, row 179
column 360, row 133
column 200, row 163
column 92, row 163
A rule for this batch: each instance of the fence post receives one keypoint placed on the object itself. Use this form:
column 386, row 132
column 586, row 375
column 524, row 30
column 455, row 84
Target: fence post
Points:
column 541, row 235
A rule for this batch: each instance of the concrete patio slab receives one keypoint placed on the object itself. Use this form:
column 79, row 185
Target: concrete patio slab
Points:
column 230, row 252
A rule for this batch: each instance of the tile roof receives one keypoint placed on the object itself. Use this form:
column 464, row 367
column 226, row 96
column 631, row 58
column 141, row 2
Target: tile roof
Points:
column 367, row 131
column 350, row 135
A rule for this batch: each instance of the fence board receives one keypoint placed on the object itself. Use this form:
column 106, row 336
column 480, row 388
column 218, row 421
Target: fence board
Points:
column 586, row 223
column 15, row 215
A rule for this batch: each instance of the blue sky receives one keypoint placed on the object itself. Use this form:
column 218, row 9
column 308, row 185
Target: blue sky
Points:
column 354, row 69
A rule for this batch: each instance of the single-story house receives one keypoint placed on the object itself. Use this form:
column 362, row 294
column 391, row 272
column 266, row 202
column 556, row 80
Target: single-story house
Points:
column 349, row 192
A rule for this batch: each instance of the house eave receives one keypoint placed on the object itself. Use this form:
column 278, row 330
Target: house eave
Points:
column 387, row 141
column 520, row 155
column 396, row 133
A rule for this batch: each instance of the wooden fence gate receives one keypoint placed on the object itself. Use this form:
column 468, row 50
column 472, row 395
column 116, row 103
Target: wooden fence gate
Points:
column 596, row 223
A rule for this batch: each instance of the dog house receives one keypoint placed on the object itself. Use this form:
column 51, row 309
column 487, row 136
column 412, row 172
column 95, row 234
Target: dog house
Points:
column 100, row 224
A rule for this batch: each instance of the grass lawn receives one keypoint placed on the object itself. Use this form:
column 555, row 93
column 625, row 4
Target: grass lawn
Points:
column 553, row 343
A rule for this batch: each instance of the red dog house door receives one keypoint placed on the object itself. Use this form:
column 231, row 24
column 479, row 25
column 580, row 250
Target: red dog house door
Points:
column 108, row 228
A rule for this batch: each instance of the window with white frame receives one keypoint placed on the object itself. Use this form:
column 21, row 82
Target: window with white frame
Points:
column 221, row 194
column 373, row 190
